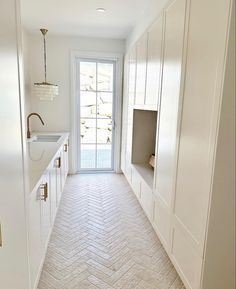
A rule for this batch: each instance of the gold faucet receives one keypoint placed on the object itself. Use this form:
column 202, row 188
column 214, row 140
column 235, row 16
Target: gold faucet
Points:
column 28, row 117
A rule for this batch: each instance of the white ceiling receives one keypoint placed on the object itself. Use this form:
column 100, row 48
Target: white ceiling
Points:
column 79, row 17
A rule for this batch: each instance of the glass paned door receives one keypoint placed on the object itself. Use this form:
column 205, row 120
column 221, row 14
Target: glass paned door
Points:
column 96, row 114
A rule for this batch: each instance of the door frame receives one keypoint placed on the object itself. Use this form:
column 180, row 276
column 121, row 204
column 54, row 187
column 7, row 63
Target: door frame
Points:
column 93, row 60
column 74, row 106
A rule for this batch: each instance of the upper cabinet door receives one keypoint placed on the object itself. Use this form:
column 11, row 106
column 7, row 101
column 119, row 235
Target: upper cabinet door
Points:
column 125, row 113
column 170, row 102
column 131, row 98
column 141, row 70
column 154, row 62
column 132, row 68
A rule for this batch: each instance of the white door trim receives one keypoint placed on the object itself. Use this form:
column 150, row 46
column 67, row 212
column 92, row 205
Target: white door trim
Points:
column 118, row 58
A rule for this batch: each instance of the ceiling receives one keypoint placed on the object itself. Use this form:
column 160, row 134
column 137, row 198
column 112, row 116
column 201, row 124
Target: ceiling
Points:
column 79, row 17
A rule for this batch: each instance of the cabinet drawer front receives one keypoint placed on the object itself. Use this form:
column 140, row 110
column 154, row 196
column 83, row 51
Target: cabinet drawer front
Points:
column 161, row 220
column 136, row 183
column 186, row 258
column 147, row 199
column 34, row 233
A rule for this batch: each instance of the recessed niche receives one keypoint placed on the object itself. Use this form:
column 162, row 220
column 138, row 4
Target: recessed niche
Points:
column 144, row 142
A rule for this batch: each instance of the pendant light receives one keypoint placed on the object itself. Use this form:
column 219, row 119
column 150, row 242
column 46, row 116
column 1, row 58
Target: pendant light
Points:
column 45, row 90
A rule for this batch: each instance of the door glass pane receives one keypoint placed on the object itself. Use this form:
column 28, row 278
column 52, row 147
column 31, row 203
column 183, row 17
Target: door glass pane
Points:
column 88, row 156
column 104, row 131
column 88, row 131
column 96, row 114
column 87, row 75
column 104, row 101
column 88, row 104
column 104, row 156
column 105, row 76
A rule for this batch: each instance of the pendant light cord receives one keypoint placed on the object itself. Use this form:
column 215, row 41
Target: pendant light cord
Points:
column 45, row 59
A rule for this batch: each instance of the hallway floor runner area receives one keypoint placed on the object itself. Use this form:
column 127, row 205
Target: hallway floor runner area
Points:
column 103, row 240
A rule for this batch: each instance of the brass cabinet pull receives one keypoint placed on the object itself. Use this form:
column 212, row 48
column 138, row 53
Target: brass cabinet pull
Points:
column 44, row 187
column 65, row 147
column 57, row 163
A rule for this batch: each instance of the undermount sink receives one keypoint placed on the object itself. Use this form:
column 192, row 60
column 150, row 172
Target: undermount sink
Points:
column 46, row 138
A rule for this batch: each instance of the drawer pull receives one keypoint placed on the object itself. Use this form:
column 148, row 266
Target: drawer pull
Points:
column 65, row 147
column 44, row 195
column 58, row 163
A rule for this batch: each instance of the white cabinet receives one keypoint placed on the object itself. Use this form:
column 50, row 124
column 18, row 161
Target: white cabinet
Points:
column 192, row 191
column 169, row 109
column 146, row 199
column 39, row 220
column 161, row 221
column 34, row 235
column 125, row 113
column 45, row 210
column 65, row 162
column 53, row 189
column 198, row 138
column 136, row 183
column 130, row 101
column 141, row 70
column 43, row 203
column 154, row 62
column 58, row 165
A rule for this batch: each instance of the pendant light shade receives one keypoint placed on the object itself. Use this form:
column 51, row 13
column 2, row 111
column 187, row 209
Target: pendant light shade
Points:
column 45, row 90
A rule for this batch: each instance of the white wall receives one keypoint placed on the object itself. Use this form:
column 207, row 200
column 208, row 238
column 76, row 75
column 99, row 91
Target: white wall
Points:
column 26, row 67
column 152, row 13
column 56, row 114
column 13, row 253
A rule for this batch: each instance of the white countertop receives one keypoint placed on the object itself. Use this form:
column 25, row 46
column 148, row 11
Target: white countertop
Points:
column 38, row 156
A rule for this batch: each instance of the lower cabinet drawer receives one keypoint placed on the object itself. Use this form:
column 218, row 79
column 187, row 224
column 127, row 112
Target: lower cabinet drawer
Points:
column 161, row 221
column 186, row 259
column 128, row 172
column 147, row 199
column 136, row 183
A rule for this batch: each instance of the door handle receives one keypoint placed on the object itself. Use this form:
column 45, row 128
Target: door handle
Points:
column 44, row 195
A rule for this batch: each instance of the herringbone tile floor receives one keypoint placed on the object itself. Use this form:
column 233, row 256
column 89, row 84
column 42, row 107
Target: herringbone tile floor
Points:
column 103, row 240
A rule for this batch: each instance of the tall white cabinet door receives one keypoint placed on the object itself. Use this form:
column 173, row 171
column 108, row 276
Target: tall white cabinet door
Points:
column 154, row 62
column 125, row 113
column 141, row 70
column 131, row 97
column 168, row 119
column 198, row 135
